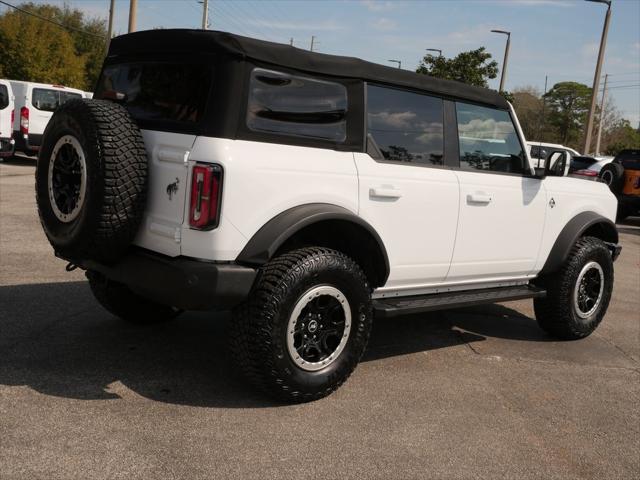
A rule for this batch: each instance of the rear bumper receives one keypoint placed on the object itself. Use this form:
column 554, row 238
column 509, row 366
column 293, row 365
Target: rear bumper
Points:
column 180, row 282
column 27, row 143
column 6, row 147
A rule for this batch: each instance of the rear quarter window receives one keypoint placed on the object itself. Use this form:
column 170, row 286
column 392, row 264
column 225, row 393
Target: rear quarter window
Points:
column 158, row 91
column 48, row 100
column 4, row 97
column 297, row 106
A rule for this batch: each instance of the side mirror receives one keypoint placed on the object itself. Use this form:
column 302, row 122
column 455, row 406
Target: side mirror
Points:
column 557, row 163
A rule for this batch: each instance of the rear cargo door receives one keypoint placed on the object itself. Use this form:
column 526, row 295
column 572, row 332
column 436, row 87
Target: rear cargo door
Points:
column 6, row 107
column 167, row 191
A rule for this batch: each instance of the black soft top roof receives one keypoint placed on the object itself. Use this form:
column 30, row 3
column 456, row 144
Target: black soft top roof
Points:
column 277, row 54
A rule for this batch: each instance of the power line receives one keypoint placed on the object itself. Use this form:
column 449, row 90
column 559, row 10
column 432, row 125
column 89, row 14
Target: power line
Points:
column 45, row 19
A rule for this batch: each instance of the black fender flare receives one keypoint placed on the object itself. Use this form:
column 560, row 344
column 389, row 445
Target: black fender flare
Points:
column 272, row 235
column 572, row 231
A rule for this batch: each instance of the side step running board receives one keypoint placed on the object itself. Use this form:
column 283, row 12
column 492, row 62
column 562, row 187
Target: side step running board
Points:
column 395, row 306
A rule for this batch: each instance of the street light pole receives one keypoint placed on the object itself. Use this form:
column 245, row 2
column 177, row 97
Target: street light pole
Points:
column 506, row 57
column 133, row 8
column 596, row 77
column 110, row 27
column 435, row 50
column 604, row 99
column 205, row 14
column 396, row 61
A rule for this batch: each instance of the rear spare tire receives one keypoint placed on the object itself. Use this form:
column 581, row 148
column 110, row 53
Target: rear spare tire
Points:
column 91, row 180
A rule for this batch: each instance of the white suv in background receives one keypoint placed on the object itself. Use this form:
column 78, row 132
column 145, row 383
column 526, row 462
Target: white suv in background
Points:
column 307, row 192
column 34, row 105
column 539, row 151
column 6, row 119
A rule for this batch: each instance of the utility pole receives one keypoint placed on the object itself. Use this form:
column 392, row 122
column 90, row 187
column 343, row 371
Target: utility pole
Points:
column 596, row 77
column 604, row 98
column 291, row 42
column 313, row 39
column 133, row 8
column 205, row 14
column 506, row 57
column 110, row 28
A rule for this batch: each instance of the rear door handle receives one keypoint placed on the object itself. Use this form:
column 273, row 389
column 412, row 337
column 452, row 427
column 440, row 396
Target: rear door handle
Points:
column 479, row 197
column 384, row 192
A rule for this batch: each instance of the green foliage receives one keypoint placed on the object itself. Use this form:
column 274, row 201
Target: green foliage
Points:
column 568, row 105
column 620, row 137
column 474, row 67
column 528, row 105
column 35, row 50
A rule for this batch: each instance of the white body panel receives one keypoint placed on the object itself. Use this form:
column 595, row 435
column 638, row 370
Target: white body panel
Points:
column 443, row 229
column 572, row 196
column 414, row 209
column 38, row 118
column 261, row 180
column 5, row 113
column 168, row 155
column 499, row 228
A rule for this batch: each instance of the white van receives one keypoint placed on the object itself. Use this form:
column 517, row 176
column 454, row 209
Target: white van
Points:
column 35, row 104
column 6, row 119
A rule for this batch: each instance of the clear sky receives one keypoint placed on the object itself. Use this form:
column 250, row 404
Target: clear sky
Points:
column 558, row 38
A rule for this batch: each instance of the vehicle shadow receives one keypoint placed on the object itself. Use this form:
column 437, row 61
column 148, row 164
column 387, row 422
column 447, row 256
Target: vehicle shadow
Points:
column 20, row 160
column 55, row 339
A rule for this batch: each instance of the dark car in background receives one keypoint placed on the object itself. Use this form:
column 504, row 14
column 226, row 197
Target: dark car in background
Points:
column 623, row 177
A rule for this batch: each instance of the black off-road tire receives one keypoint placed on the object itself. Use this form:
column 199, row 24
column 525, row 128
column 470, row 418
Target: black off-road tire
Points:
column 613, row 175
column 121, row 301
column 259, row 327
column 114, row 199
column 556, row 313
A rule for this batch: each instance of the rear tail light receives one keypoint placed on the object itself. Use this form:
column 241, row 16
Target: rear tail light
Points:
column 206, row 190
column 24, row 120
column 586, row 173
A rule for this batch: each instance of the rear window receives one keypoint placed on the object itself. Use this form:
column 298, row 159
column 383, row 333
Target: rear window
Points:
column 297, row 106
column 48, row 100
column 580, row 163
column 173, row 92
column 629, row 159
column 4, row 97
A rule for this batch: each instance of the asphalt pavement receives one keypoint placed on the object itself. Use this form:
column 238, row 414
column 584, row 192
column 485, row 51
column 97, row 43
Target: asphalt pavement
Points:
column 463, row 394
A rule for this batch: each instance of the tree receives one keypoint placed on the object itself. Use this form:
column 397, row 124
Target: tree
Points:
column 568, row 103
column 621, row 136
column 474, row 67
column 32, row 49
column 529, row 107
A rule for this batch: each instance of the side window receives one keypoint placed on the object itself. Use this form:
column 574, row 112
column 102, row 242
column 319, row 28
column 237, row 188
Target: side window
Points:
column 488, row 140
column 297, row 106
column 406, row 126
column 4, row 97
column 44, row 99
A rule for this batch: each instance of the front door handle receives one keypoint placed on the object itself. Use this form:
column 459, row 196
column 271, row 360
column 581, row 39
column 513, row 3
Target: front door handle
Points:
column 384, row 192
column 479, row 198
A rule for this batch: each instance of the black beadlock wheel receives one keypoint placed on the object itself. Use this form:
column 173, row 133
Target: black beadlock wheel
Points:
column 121, row 301
column 305, row 326
column 91, row 180
column 579, row 293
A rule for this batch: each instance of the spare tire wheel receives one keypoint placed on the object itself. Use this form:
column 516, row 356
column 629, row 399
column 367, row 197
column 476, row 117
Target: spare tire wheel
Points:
column 91, row 180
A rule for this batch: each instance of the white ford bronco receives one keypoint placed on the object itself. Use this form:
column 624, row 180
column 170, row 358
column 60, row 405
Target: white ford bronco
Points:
column 309, row 193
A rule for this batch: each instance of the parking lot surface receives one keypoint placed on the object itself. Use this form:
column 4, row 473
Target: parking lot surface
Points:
column 468, row 393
